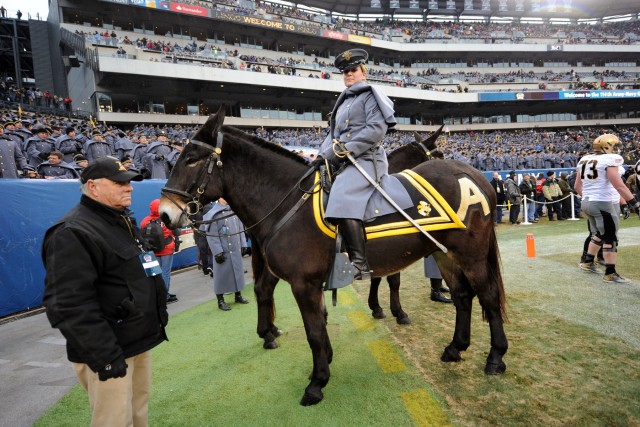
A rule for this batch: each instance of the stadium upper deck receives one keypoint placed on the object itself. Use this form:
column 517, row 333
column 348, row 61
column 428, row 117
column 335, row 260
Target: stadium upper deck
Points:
column 169, row 87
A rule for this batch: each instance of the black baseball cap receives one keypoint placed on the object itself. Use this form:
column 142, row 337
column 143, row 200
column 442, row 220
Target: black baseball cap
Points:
column 110, row 168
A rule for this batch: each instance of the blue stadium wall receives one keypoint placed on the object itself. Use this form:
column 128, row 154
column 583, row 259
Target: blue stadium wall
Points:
column 29, row 208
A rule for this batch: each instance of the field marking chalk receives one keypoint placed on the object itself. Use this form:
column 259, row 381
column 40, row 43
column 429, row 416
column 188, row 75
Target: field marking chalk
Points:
column 423, row 409
column 361, row 320
column 386, row 356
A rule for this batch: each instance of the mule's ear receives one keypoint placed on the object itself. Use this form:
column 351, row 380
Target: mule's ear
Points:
column 430, row 142
column 221, row 114
column 215, row 121
column 417, row 137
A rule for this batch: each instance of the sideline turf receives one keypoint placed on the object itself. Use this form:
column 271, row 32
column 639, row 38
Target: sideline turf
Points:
column 214, row 372
column 574, row 356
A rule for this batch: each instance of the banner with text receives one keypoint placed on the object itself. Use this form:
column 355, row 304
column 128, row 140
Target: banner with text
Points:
column 266, row 23
column 189, row 9
column 555, row 96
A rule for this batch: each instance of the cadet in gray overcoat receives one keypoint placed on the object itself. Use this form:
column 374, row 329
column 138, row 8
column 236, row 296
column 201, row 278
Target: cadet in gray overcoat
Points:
column 155, row 158
column 39, row 147
column 11, row 158
column 226, row 239
column 360, row 120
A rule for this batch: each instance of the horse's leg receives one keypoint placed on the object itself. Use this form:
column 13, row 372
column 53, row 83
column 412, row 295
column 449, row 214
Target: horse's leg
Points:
column 462, row 295
column 489, row 297
column 311, row 303
column 499, row 344
column 394, row 300
column 376, row 311
column 490, row 290
column 265, row 284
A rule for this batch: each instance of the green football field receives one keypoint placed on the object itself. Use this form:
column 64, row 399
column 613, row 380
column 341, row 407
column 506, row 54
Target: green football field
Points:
column 574, row 356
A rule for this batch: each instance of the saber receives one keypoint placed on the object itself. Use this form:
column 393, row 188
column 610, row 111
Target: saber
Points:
column 390, row 200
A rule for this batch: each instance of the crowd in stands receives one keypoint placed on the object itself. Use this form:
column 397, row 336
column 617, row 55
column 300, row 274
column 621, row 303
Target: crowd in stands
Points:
column 620, row 32
column 34, row 97
column 433, row 78
column 153, row 149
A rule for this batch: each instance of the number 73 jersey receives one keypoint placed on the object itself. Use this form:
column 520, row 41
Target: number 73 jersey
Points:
column 593, row 172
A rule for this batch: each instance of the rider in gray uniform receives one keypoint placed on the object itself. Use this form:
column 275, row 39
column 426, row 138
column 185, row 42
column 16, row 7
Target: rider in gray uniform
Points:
column 360, row 119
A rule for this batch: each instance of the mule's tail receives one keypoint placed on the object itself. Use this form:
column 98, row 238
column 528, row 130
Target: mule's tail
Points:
column 495, row 274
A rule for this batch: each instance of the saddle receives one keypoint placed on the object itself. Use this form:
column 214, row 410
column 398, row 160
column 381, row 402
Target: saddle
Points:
column 428, row 208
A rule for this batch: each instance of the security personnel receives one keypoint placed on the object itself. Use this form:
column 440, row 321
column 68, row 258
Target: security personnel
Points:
column 105, row 293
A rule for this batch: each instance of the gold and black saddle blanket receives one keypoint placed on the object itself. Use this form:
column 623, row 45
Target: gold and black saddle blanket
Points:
column 430, row 210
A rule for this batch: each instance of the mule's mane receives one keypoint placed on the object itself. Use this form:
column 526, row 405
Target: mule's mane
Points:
column 262, row 143
column 412, row 144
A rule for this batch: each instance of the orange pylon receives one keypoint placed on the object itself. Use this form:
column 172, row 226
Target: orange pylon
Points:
column 531, row 246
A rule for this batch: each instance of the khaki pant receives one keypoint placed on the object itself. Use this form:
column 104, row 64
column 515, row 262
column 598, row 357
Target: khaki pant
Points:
column 119, row 402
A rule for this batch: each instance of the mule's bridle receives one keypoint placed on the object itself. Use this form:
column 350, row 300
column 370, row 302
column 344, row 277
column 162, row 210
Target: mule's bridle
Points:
column 193, row 206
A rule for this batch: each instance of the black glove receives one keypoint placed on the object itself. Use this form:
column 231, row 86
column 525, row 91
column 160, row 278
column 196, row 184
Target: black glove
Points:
column 246, row 251
column 115, row 369
column 44, row 155
column 319, row 161
column 220, row 258
column 337, row 162
column 634, row 204
column 177, row 242
column 78, row 147
column 625, row 211
column 159, row 157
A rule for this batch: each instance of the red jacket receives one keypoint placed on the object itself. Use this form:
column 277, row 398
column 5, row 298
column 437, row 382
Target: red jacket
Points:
column 153, row 215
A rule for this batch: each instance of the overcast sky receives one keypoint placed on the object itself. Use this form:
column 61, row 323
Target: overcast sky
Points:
column 29, row 7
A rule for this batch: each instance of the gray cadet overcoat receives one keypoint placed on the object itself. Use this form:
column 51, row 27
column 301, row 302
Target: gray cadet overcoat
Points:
column 159, row 168
column 69, row 147
column 228, row 277
column 360, row 119
column 95, row 150
column 35, row 146
column 11, row 158
column 431, row 269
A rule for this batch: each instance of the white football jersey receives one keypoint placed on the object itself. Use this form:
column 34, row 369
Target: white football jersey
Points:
column 593, row 172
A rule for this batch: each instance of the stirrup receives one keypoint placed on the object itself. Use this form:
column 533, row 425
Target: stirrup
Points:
column 362, row 275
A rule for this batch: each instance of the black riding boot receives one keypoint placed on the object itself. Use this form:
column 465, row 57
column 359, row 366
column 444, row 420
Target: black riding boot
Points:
column 221, row 304
column 353, row 233
column 436, row 291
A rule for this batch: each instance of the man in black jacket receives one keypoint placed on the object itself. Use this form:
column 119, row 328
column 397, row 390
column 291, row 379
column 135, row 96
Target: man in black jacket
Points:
column 528, row 190
column 498, row 186
column 105, row 293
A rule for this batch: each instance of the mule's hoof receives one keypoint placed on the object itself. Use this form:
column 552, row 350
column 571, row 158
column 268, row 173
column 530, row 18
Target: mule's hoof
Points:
column 378, row 314
column 270, row 345
column 309, row 399
column 450, row 355
column 495, row 368
column 402, row 318
column 276, row 332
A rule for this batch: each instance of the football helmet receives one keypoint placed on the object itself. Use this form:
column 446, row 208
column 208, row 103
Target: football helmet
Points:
column 606, row 144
